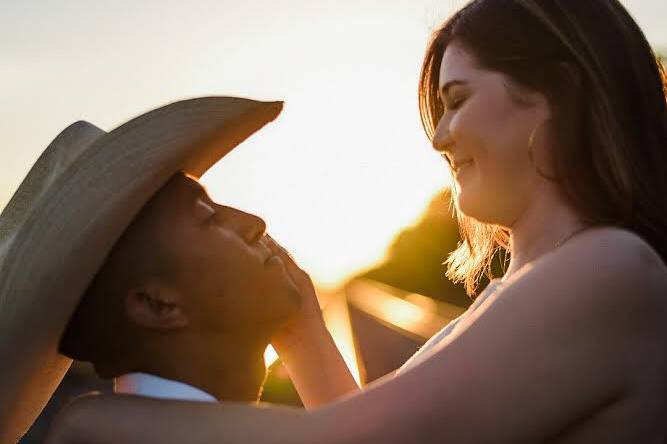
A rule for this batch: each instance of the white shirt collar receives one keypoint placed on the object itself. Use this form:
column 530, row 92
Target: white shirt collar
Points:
column 144, row 384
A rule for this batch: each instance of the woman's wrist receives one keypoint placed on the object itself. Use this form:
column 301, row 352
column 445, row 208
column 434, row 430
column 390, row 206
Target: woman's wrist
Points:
column 302, row 333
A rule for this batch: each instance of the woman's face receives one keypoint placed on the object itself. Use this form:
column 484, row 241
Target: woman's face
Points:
column 484, row 133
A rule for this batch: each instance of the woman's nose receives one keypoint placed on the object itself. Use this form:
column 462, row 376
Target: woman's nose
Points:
column 441, row 137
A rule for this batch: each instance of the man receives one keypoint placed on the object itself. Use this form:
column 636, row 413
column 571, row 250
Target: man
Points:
column 186, row 301
column 60, row 227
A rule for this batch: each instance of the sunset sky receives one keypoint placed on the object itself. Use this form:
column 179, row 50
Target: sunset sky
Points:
column 343, row 168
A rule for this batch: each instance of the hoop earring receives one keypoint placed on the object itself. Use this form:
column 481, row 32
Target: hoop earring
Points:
column 531, row 142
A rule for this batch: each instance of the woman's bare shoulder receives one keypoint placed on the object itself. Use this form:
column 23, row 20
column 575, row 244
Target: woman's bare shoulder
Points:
column 601, row 257
column 614, row 255
column 603, row 273
column 612, row 239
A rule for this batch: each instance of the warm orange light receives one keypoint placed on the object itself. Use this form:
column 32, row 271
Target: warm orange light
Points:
column 413, row 313
column 270, row 356
column 403, row 314
column 337, row 319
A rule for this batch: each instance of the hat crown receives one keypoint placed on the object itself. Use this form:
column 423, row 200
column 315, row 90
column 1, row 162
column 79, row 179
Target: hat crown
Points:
column 54, row 161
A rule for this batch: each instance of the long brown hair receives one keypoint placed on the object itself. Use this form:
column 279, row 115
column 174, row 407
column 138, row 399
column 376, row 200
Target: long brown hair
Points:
column 608, row 92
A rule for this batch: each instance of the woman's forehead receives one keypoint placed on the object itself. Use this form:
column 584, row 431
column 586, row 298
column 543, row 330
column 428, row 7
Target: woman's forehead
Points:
column 457, row 64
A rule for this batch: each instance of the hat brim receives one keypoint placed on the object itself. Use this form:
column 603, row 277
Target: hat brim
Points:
column 64, row 241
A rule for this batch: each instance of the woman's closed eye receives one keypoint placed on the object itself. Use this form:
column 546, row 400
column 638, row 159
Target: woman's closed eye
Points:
column 454, row 103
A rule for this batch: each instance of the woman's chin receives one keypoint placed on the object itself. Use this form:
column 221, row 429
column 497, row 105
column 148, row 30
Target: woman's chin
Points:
column 467, row 201
column 471, row 205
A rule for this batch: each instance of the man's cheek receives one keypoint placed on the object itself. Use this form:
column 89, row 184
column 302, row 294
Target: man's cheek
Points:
column 224, row 316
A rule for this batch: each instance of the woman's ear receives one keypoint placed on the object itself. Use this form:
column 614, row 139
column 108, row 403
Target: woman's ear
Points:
column 155, row 306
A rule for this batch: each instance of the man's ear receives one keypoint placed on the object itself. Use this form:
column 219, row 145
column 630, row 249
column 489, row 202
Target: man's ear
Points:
column 155, row 306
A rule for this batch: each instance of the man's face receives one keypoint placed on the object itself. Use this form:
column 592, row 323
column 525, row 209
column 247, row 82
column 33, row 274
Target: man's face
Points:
column 223, row 270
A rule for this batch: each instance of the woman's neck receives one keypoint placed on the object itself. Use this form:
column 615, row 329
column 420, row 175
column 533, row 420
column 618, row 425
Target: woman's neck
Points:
column 546, row 223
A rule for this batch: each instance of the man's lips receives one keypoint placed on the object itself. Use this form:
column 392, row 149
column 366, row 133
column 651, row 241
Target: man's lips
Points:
column 265, row 250
column 270, row 251
column 273, row 260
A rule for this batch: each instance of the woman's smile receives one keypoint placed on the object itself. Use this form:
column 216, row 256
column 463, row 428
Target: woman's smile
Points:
column 463, row 166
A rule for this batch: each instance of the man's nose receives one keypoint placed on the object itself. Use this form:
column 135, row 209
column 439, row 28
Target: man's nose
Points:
column 246, row 225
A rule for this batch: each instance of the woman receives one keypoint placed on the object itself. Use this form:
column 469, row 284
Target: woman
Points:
column 552, row 116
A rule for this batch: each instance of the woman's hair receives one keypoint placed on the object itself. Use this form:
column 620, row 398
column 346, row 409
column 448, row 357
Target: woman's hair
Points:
column 607, row 91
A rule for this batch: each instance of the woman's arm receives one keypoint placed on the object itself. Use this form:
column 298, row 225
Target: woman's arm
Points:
column 553, row 346
column 115, row 419
column 315, row 365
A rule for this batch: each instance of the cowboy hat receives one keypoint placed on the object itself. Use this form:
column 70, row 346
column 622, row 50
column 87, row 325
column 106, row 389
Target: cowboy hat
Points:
column 68, row 212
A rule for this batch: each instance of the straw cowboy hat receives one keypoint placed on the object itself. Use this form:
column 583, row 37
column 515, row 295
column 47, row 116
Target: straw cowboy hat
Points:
column 65, row 217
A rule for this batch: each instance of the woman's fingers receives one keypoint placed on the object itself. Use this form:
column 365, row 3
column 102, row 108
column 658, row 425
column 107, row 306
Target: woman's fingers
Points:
column 310, row 308
column 294, row 270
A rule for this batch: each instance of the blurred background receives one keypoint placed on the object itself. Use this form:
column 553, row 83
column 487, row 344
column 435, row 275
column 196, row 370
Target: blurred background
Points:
column 345, row 177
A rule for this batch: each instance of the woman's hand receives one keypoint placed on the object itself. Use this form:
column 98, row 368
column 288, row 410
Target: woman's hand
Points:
column 305, row 346
column 309, row 317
